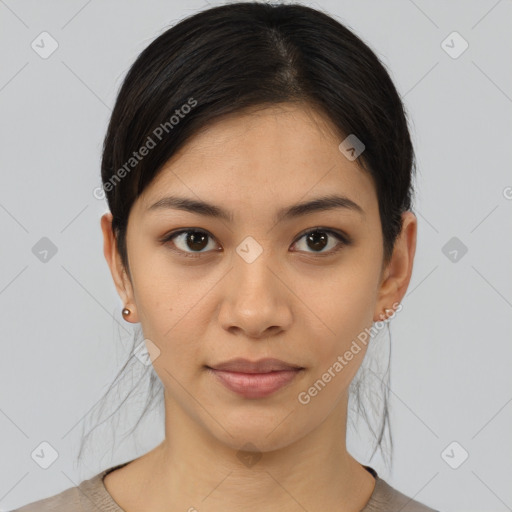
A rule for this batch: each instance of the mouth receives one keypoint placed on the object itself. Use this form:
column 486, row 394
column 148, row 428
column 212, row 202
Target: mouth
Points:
column 254, row 379
column 267, row 365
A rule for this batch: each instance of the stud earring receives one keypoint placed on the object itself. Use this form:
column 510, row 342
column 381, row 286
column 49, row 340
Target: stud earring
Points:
column 126, row 312
column 385, row 316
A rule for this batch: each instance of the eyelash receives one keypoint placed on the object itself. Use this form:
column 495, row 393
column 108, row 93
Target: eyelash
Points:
column 343, row 240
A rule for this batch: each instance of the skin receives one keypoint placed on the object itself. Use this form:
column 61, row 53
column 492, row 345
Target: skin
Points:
column 289, row 303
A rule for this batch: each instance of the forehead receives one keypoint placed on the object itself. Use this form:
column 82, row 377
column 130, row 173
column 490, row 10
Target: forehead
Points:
column 274, row 155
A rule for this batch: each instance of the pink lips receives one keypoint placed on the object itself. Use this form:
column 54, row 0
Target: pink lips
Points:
column 255, row 379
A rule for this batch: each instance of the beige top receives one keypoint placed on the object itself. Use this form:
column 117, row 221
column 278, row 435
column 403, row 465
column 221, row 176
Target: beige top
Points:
column 92, row 496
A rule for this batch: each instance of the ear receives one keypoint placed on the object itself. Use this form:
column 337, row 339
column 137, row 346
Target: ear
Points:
column 397, row 274
column 117, row 269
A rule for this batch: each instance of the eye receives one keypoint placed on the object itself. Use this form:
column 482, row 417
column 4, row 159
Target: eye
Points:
column 318, row 239
column 194, row 239
column 193, row 242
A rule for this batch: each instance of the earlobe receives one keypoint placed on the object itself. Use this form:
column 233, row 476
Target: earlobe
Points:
column 399, row 270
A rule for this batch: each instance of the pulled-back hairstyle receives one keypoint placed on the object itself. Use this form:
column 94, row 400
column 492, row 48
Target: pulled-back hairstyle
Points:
column 234, row 57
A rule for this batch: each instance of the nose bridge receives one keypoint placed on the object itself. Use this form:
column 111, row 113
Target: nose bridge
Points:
column 253, row 262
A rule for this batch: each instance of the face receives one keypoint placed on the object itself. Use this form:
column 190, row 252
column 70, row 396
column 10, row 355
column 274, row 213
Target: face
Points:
column 257, row 282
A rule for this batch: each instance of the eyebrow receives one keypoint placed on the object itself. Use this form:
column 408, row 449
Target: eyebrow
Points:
column 210, row 210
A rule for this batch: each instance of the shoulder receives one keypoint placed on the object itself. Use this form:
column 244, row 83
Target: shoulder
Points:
column 386, row 498
column 66, row 500
column 89, row 496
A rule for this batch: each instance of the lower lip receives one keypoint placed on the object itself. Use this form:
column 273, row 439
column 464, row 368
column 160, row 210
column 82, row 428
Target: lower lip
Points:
column 255, row 385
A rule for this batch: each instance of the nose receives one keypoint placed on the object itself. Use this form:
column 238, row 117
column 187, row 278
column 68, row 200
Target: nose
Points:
column 256, row 301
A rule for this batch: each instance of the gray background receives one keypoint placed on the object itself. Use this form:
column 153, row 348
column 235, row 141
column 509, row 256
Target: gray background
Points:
column 63, row 337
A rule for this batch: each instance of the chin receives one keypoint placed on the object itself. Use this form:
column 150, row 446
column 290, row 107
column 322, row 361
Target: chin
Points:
column 257, row 432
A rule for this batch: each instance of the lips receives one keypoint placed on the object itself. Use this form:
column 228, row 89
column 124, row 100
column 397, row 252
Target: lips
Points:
column 267, row 365
column 255, row 379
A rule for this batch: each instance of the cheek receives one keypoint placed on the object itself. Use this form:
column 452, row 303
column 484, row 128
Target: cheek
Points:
column 345, row 303
column 174, row 312
column 345, row 306
column 171, row 309
column 161, row 290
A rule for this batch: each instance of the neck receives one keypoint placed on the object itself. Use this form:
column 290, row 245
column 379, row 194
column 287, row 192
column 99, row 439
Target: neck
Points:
column 191, row 469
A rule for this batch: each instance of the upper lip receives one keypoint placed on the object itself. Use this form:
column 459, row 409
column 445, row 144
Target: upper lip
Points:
column 266, row 365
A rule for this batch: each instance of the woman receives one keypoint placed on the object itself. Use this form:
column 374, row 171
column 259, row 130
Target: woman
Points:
column 258, row 169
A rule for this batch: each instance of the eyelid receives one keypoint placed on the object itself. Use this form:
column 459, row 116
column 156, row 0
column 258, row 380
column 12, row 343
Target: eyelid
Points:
column 338, row 234
column 343, row 239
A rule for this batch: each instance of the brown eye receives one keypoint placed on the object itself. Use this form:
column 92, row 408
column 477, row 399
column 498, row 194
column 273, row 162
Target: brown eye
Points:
column 196, row 240
column 318, row 239
column 189, row 241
